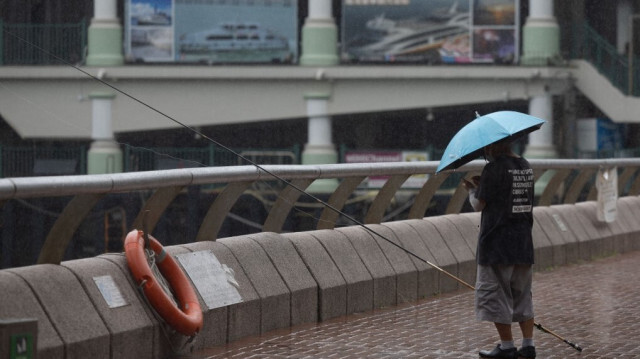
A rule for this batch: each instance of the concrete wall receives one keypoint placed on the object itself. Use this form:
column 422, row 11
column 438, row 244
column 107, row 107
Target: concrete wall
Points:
column 289, row 279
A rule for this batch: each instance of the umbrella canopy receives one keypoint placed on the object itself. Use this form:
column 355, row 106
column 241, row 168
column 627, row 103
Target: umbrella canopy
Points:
column 469, row 142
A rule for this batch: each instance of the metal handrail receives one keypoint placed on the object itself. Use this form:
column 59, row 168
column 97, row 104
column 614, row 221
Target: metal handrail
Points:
column 563, row 181
column 57, row 186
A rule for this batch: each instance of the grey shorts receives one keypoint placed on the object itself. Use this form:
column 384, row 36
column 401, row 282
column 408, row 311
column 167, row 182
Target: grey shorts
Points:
column 503, row 293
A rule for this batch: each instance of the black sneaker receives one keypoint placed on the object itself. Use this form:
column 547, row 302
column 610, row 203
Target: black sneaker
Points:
column 527, row 352
column 498, row 352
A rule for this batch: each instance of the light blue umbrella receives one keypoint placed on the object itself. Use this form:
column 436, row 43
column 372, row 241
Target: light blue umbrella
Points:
column 469, row 142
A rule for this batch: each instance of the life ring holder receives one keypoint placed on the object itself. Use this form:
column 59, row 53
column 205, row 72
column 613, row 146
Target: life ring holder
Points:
column 186, row 318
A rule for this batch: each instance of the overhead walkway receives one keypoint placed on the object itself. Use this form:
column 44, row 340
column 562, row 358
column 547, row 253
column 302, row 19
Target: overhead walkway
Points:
column 53, row 101
column 232, row 94
column 618, row 106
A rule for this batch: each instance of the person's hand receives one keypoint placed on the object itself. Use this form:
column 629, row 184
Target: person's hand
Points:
column 471, row 184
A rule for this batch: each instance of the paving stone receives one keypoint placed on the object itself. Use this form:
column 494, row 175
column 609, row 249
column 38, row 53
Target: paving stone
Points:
column 593, row 304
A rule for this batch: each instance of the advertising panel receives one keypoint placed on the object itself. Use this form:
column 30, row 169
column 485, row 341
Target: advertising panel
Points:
column 415, row 181
column 430, row 31
column 212, row 31
column 150, row 30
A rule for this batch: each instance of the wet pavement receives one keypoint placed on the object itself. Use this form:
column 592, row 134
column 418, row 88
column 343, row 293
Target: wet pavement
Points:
column 593, row 304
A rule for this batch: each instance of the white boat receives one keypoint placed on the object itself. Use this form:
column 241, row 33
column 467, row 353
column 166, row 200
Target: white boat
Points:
column 231, row 37
column 407, row 37
column 157, row 18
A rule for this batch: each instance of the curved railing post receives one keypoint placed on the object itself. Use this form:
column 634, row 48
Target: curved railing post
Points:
column 576, row 187
column 154, row 207
column 553, row 186
column 423, row 199
column 66, row 225
column 338, row 198
column 382, row 200
column 624, row 178
column 219, row 209
column 286, row 200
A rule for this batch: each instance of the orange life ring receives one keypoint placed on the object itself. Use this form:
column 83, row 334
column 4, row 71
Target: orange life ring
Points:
column 185, row 319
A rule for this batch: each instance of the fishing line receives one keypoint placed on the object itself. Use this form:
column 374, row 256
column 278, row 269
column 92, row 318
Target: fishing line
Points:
column 274, row 175
column 230, row 150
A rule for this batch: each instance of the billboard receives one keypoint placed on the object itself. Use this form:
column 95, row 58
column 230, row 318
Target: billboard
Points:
column 430, row 31
column 211, row 31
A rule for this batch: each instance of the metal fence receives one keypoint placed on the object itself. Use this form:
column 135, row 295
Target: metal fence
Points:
column 49, row 219
column 164, row 158
column 588, row 44
column 25, row 161
column 42, row 44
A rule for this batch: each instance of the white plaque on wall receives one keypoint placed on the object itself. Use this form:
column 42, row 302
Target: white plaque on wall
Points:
column 110, row 291
column 214, row 281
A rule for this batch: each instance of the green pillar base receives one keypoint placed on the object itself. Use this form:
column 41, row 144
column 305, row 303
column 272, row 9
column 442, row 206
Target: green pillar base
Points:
column 314, row 155
column 540, row 43
column 319, row 43
column 104, row 157
column 105, row 44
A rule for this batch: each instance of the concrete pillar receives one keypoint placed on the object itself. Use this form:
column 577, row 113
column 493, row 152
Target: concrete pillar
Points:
column 105, row 35
column 104, row 156
column 319, row 48
column 540, row 34
column 319, row 35
column 319, row 148
column 541, row 141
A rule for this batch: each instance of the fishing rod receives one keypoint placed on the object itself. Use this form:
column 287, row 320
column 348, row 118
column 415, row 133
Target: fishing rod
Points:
column 276, row 176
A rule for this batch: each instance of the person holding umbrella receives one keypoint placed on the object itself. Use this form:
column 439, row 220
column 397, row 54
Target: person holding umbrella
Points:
column 504, row 195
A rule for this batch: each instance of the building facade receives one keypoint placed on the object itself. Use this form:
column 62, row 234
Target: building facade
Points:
column 315, row 80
